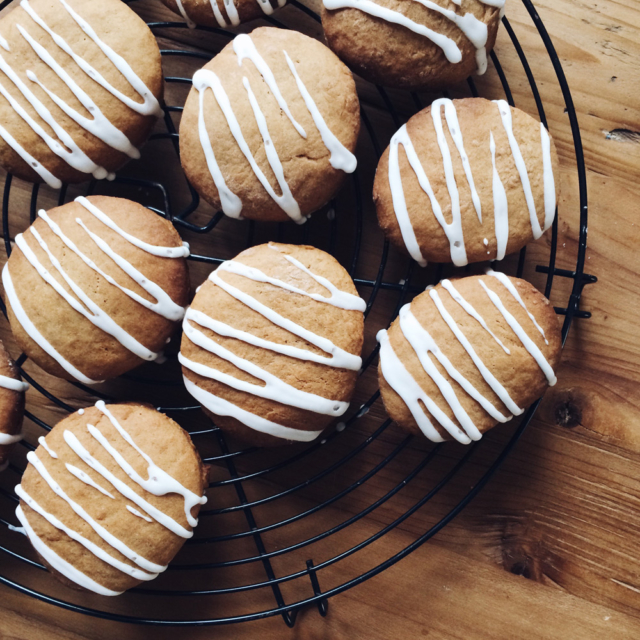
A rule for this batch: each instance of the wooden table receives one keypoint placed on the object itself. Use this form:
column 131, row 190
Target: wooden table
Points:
column 549, row 549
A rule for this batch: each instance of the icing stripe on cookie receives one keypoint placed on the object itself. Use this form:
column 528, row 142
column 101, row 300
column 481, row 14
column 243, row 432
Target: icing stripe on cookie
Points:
column 274, row 388
column 403, row 383
column 14, row 385
column 97, row 125
column 82, row 303
column 453, row 229
column 475, row 30
column 159, row 483
column 59, row 564
column 340, row 157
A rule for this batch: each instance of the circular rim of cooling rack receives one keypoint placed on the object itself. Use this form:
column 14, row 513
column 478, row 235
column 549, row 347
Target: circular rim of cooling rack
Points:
column 289, row 611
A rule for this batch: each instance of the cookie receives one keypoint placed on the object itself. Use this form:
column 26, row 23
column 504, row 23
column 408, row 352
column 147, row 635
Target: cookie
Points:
column 271, row 344
column 80, row 83
column 468, row 354
column 222, row 13
column 96, row 287
column 110, row 496
column 413, row 45
column 269, row 128
column 12, row 391
column 466, row 181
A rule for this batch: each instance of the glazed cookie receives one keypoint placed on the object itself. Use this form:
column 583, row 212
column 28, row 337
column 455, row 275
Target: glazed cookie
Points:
column 466, row 181
column 413, row 44
column 269, row 127
column 468, row 354
column 12, row 391
column 222, row 13
column 80, row 83
column 271, row 344
column 96, row 287
column 110, row 496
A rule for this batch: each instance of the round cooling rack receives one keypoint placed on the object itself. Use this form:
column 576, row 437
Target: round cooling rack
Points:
column 288, row 528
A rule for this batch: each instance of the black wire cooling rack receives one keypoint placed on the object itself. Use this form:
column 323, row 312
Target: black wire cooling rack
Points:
column 269, row 513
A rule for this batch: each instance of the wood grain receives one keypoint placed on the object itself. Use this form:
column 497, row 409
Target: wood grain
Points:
column 549, row 548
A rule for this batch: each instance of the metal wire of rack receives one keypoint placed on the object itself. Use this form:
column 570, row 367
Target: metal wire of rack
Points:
column 351, row 447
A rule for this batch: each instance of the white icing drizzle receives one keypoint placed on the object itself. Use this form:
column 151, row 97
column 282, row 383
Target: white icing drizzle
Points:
column 150, row 105
column 92, row 312
column 159, row 483
column 274, row 388
column 401, row 137
column 484, row 371
column 43, row 443
column 154, row 250
column 449, row 47
column 527, row 342
column 500, row 206
column 231, row 10
column 405, row 385
column 474, row 30
column 9, row 438
column 190, row 23
column 12, row 384
column 423, row 344
column 396, row 374
column 507, row 122
column 34, row 334
column 87, row 479
column 163, row 305
column 4, row 44
column 340, row 157
column 548, row 179
column 514, row 292
column 95, row 549
column 222, row 407
column 58, row 563
column 340, row 358
column 453, row 230
column 453, row 292
column 109, row 538
column 97, row 125
column 245, row 49
column 137, row 513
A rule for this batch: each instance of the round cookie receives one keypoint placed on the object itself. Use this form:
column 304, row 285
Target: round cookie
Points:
column 96, row 287
column 110, row 496
column 468, row 354
column 12, row 391
column 279, row 122
column 222, row 13
column 467, row 181
column 271, row 343
column 428, row 44
column 80, row 88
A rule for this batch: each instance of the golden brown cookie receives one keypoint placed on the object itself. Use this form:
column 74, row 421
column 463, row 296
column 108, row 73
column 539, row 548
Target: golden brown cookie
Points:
column 412, row 44
column 467, row 181
column 280, row 120
column 96, row 287
column 272, row 341
column 222, row 13
column 468, row 354
column 80, row 83
column 110, row 496
column 12, row 391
